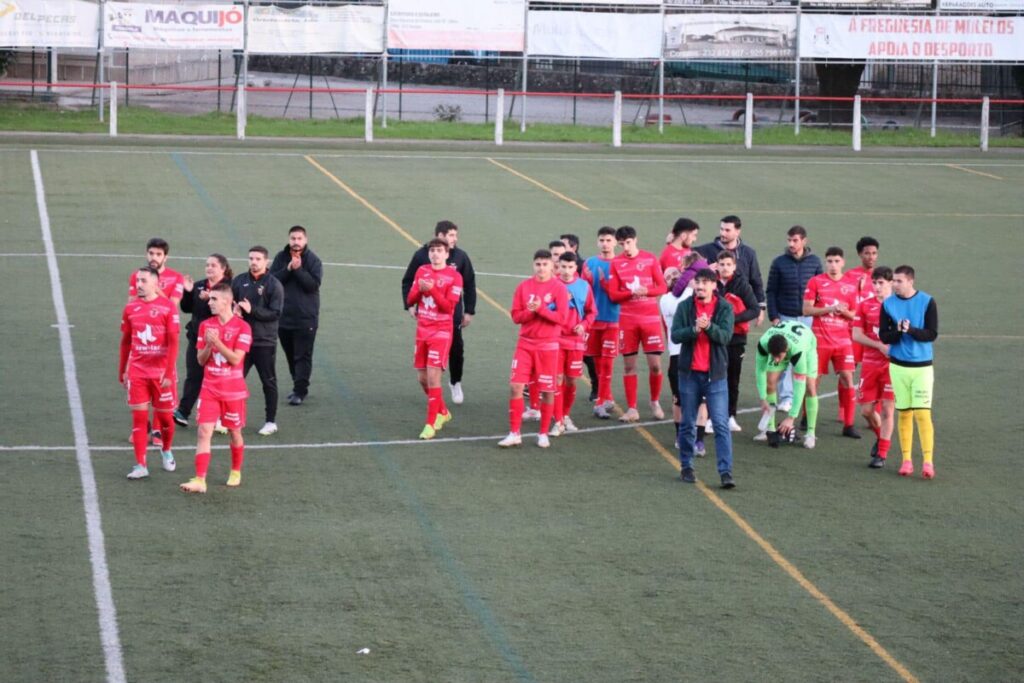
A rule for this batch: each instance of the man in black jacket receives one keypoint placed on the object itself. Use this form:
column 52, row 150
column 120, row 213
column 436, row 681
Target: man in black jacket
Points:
column 466, row 308
column 738, row 292
column 301, row 273
column 259, row 298
column 729, row 229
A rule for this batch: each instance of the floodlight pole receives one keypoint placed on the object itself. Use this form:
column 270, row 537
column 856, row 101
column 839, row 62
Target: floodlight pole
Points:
column 661, row 76
column 102, row 74
column 526, row 61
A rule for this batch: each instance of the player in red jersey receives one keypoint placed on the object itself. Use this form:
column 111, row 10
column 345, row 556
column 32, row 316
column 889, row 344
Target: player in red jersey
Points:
column 679, row 243
column 540, row 307
column 572, row 343
column 874, row 385
column 149, row 352
column 436, row 290
column 637, row 283
column 867, row 250
column 832, row 301
column 224, row 339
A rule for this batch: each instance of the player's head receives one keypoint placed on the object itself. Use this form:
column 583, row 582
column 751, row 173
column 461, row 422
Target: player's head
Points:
column 729, row 230
column 567, row 266
column 437, row 251
column 217, row 268
column 571, row 242
column 834, row 261
column 671, row 275
column 626, row 237
column 543, row 266
column 297, row 239
column 449, row 231
column 903, row 281
column 258, row 258
column 221, row 298
column 147, row 282
column 606, row 240
column 704, row 283
column 796, row 240
column 556, row 248
column 726, row 261
column 881, row 282
column 687, row 230
column 778, row 347
column 867, row 249
column 157, row 250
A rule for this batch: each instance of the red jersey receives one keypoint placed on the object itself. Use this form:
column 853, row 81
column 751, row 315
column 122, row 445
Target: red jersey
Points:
column 221, row 380
column 672, row 257
column 580, row 295
column 149, row 339
column 434, row 308
column 860, row 277
column 172, row 284
column 701, row 360
column 869, row 312
column 629, row 273
column 540, row 329
column 832, row 329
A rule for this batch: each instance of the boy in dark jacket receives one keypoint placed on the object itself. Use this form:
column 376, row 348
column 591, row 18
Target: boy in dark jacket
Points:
column 733, row 286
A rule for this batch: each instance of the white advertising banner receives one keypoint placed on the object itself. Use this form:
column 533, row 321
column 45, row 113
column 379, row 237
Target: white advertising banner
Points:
column 174, row 26
column 49, row 23
column 982, row 5
column 456, row 24
column 316, row 30
column 594, row 34
column 912, row 38
column 628, row 3
column 730, row 36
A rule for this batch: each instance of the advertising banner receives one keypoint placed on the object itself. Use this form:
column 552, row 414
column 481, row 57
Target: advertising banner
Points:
column 982, row 5
column 316, row 30
column 594, row 34
column 49, row 23
column 712, row 4
column 871, row 4
column 730, row 36
column 456, row 24
column 912, row 38
column 177, row 26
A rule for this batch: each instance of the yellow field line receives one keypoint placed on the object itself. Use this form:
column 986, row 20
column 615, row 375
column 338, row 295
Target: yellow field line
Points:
column 971, row 170
column 820, row 212
column 768, row 548
column 539, row 184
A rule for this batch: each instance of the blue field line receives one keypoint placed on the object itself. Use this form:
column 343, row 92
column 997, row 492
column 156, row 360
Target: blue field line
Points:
column 209, row 202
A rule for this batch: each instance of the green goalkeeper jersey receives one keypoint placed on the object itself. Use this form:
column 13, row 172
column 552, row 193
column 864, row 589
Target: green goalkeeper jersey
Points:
column 802, row 355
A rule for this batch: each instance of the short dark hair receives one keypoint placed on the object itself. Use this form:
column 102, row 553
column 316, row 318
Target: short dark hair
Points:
column 151, row 270
column 222, row 286
column 556, row 244
column 158, row 243
column 541, row 253
column 905, row 270
column 444, row 227
column 882, row 273
column 706, row 274
column 625, row 232
column 777, row 344
column 797, row 230
column 296, row 228
column 864, row 242
column 684, row 225
column 725, row 253
column 606, row 230
column 261, row 249
column 572, row 239
column 735, row 220
column 834, row 251
column 568, row 257
column 438, row 242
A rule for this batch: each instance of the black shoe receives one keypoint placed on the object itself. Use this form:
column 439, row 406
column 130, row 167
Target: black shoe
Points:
column 295, row 400
column 727, row 481
column 180, row 419
column 877, row 463
column 851, row 432
column 688, row 476
column 874, row 449
column 593, row 395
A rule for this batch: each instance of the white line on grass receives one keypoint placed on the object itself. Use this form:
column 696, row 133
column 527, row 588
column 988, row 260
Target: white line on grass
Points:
column 90, row 498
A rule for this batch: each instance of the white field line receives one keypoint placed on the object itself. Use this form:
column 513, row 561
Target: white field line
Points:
column 107, row 614
column 370, row 444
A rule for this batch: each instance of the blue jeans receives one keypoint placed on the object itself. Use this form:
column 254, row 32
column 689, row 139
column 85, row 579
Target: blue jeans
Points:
column 694, row 387
column 785, row 389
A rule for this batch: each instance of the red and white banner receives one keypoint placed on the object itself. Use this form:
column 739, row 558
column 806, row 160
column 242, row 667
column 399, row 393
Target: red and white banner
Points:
column 49, row 23
column 316, row 30
column 912, row 38
column 457, row 24
column 594, row 34
column 177, row 26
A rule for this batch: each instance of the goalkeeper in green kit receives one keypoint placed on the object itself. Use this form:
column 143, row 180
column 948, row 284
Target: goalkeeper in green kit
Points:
column 788, row 343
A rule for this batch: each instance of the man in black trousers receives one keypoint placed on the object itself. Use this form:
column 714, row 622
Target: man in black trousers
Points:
column 301, row 273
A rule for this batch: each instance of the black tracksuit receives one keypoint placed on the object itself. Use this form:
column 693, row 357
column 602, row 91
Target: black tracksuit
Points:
column 301, row 316
column 267, row 298
column 737, row 347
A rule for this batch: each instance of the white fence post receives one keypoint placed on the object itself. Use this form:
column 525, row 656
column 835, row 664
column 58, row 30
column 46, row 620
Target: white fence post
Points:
column 748, row 122
column 617, row 120
column 499, row 119
column 240, row 111
column 856, row 123
column 113, row 109
column 984, row 123
column 368, row 116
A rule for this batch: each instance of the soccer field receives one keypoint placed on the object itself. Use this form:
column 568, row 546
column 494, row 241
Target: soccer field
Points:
column 453, row 560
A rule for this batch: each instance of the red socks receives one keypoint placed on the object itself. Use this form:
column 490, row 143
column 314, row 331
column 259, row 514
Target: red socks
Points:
column 140, row 435
column 515, row 414
column 534, row 396
column 165, row 423
column 434, row 404
column 237, row 456
column 629, row 382
column 654, row 381
column 546, row 409
column 558, row 409
column 203, row 464
column 883, row 447
column 605, row 366
column 847, row 405
column 568, row 398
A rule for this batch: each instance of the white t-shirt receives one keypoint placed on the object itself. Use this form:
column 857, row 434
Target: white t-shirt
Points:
column 668, row 304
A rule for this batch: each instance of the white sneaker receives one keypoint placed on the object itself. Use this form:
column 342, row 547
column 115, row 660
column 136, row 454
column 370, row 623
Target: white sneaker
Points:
column 557, row 429
column 630, row 415
column 531, row 414
column 734, row 426
column 513, row 439
column 268, row 429
column 601, row 412
column 543, row 441
column 786, row 405
column 761, row 436
column 709, row 428
column 220, row 428
column 766, row 418
column 457, row 397
column 569, row 425
column 138, row 472
column 168, row 461
column 810, row 441
column 656, row 410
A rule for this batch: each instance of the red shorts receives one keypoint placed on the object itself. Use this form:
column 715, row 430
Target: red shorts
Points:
column 535, row 366
column 841, row 358
column 432, row 350
column 230, row 413
column 874, row 384
column 142, row 390
column 570, row 363
column 651, row 336
column 603, row 341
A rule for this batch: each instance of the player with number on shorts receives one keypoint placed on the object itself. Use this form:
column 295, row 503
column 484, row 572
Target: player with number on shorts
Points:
column 874, row 385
